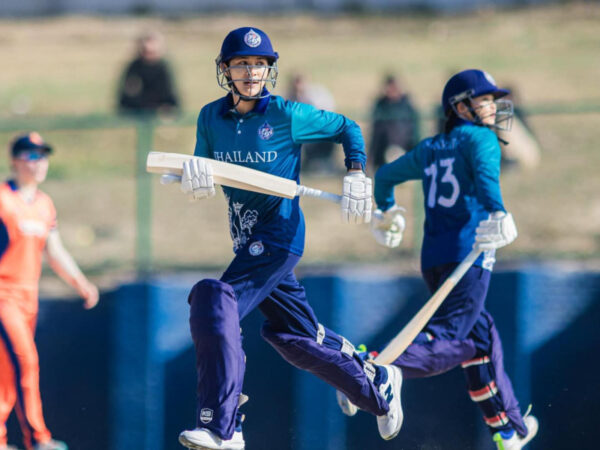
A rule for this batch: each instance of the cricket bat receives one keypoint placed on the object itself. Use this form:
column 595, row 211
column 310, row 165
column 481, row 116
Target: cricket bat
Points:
column 236, row 176
column 408, row 334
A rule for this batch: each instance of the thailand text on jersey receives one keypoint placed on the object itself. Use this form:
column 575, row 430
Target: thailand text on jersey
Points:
column 269, row 139
column 24, row 228
column 460, row 173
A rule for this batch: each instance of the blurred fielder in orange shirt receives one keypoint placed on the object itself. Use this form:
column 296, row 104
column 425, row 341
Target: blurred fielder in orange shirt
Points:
column 27, row 230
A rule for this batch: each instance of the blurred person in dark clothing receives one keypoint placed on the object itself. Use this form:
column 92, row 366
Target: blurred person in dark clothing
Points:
column 395, row 123
column 317, row 156
column 147, row 83
column 520, row 148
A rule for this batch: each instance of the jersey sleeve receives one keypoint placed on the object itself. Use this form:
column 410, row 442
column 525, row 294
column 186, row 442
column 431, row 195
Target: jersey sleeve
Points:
column 202, row 147
column 407, row 167
column 485, row 161
column 313, row 125
column 53, row 224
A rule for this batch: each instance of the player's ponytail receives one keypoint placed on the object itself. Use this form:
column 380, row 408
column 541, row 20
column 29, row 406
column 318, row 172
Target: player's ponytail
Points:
column 451, row 120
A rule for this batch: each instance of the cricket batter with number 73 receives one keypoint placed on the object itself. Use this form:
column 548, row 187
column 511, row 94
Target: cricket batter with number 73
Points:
column 253, row 128
column 459, row 170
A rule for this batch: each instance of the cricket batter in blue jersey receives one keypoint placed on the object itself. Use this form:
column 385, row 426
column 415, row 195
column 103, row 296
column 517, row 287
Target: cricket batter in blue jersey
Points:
column 460, row 171
column 253, row 128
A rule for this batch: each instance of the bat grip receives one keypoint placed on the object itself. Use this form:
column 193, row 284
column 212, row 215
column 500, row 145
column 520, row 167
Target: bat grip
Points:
column 304, row 191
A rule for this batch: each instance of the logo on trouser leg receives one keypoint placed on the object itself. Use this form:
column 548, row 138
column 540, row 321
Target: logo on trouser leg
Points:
column 206, row 415
column 256, row 248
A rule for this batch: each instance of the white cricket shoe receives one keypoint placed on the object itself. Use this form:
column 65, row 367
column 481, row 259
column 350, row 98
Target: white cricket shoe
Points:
column 204, row 439
column 516, row 442
column 345, row 404
column 51, row 445
column 389, row 425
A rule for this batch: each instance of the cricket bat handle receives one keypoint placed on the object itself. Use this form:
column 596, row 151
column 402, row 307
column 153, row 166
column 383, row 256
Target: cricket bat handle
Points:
column 403, row 339
column 304, row 191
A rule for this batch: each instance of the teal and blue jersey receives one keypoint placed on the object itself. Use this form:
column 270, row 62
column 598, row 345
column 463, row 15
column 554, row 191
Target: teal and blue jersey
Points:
column 269, row 138
column 460, row 173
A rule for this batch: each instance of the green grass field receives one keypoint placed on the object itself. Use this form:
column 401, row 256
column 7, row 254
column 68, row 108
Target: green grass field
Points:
column 69, row 66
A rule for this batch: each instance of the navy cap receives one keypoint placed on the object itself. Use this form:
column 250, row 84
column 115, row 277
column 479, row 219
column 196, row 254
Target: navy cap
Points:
column 28, row 142
column 247, row 41
column 468, row 84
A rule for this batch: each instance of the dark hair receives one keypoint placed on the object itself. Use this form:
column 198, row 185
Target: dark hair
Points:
column 451, row 119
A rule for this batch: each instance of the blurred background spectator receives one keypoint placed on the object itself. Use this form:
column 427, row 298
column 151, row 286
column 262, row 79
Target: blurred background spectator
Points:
column 318, row 157
column 523, row 149
column 147, row 84
column 395, row 123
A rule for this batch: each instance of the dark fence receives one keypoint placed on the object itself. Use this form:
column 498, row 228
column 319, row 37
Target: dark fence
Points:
column 122, row 376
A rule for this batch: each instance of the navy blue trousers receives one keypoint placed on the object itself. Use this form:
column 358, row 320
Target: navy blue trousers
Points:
column 463, row 332
column 262, row 276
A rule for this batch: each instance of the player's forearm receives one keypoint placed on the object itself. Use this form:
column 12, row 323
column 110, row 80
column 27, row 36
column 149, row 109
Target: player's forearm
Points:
column 312, row 125
column 66, row 268
column 389, row 175
column 384, row 194
column 62, row 263
column 492, row 202
column 488, row 191
column 353, row 145
column 486, row 162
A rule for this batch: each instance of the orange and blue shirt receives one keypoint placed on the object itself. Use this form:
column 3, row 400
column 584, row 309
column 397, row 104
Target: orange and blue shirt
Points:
column 24, row 229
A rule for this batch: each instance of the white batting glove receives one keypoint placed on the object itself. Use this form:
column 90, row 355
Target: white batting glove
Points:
column 387, row 227
column 197, row 179
column 497, row 231
column 356, row 198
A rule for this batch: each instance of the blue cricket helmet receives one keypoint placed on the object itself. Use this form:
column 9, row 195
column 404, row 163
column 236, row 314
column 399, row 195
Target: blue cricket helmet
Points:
column 469, row 84
column 247, row 41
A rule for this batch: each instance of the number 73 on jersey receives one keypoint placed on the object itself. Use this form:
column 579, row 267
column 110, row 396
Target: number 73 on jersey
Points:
column 446, row 165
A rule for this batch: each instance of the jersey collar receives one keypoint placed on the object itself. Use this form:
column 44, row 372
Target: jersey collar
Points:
column 459, row 122
column 260, row 107
column 13, row 185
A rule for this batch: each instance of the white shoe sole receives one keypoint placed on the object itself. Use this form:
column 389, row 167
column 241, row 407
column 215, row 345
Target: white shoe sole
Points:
column 188, row 444
column 183, row 441
column 532, row 429
column 347, row 407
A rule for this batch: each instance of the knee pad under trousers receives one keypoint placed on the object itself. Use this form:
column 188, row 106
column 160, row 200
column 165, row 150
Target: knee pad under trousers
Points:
column 490, row 387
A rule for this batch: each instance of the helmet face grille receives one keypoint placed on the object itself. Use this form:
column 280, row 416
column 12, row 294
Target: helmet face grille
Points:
column 269, row 79
column 504, row 114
